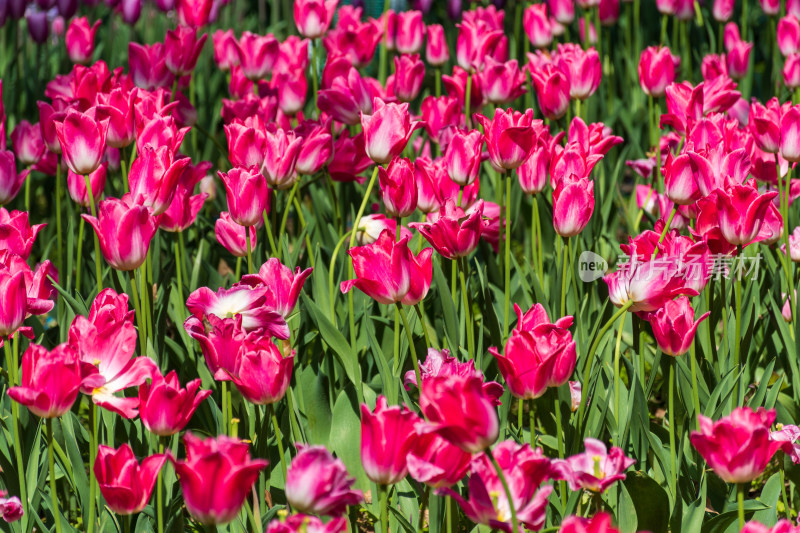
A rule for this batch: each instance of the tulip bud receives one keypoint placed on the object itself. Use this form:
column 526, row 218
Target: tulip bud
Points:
column 436, row 52
column 537, row 27
column 80, row 40
column 408, row 76
column 674, row 326
column 398, row 188
column 409, row 32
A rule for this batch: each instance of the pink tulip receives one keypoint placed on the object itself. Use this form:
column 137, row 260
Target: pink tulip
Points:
column 383, row 269
column 597, row 468
column 257, row 55
column 387, row 130
column 357, row 42
column 220, row 344
column 537, row 27
column 125, row 484
column 398, row 188
column 532, row 174
column 722, row 10
column 261, row 373
column 372, row 226
column 648, row 284
column 409, row 72
column 280, row 158
column 247, row 193
column 737, row 447
column 232, row 235
column 741, row 210
column 76, row 185
column 83, row 141
column 456, row 86
column 436, row 52
column 540, row 356
column 164, row 407
column 581, row 68
column 792, row 6
column 50, row 380
column 771, row 7
column 674, row 326
column 317, row 483
column 284, row 285
column 80, row 40
column 346, row 97
column 463, row 156
column 299, row 523
column 118, row 107
column 435, row 462
column 225, row 54
column 765, row 125
column 246, row 143
column 657, row 69
column 573, row 205
column 562, row 10
column 608, row 12
column 185, row 206
column 387, row 435
column 440, row 363
column 794, row 243
column 10, row 181
column 314, row 17
column 738, row 59
column 790, row 133
column 16, row 234
column 182, row 48
column 526, row 470
column 791, row 71
column 788, row 435
column 789, row 35
column 410, row 31
column 552, row 91
column 317, row 148
column 194, row 13
column 216, row 477
column 23, row 293
column 451, row 231
column 502, row 83
column 440, row 113
column 148, row 65
column 249, row 302
column 28, row 143
column 154, row 178
column 10, row 508
column 600, row 522
column 508, row 137
column 459, row 410
column 125, row 230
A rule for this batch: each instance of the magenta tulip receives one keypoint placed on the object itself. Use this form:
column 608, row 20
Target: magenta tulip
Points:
column 317, row 483
column 164, row 407
column 509, row 137
column 314, row 17
column 83, row 141
column 674, row 326
column 387, row 130
column 261, row 373
column 657, row 69
column 247, row 194
column 387, row 435
column 80, row 40
column 10, row 180
column 125, row 230
column 597, row 468
column 125, row 484
column 398, row 188
column 16, row 234
column 452, row 232
column 51, row 380
column 573, row 205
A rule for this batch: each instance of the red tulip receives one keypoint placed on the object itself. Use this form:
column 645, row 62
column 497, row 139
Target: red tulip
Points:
column 737, row 447
column 125, row 230
column 537, row 26
column 552, row 90
column 314, row 17
column 50, row 380
column 573, row 205
column 80, row 40
column 436, row 52
column 282, row 150
column 452, row 232
column 741, row 210
column 409, row 32
column 216, row 477
column 10, row 181
column 525, row 470
column 16, row 234
column 247, row 194
column 318, row 483
column 409, row 72
column 597, row 468
column 509, row 137
column 540, row 356
column 28, row 143
column 125, row 484
column 459, row 410
column 387, row 130
column 83, row 141
column 164, row 407
column 261, row 373
column 257, row 55
column 387, row 435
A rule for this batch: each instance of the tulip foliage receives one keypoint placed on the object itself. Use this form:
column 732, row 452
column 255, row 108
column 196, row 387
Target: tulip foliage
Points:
column 317, row 266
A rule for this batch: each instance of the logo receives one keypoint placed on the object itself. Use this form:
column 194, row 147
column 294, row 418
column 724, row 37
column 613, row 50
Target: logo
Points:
column 591, row 266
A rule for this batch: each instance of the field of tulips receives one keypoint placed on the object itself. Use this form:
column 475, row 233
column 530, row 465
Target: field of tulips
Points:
column 326, row 266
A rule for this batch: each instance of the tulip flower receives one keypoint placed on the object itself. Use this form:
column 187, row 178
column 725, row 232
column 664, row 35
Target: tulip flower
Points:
column 552, row 90
column 225, row 54
column 537, row 26
column 249, row 302
column 647, row 285
column 791, row 71
column 118, row 107
column 51, row 380
column 526, row 470
column 246, row 143
column 317, row 148
column 283, row 283
column 674, row 326
column 80, row 40
column 477, row 40
column 22, row 293
column 299, row 523
column 372, row 226
column 790, row 132
column 216, row 477
column 182, row 48
column 657, row 69
column 382, row 269
column 435, row 462
column 459, row 410
column 193, row 13
column 456, row 86
column 765, row 125
column 541, row 356
column 280, row 158
column 346, row 97
column 737, row 59
column 247, row 194
column 76, row 185
column 581, row 67
column 502, row 83
column 257, row 55
column 10, row 181
column 232, row 235
column 28, row 144
column 452, row 232
column 125, row 484
column 509, row 138
column 154, row 177
column 409, row 32
column 291, row 86
column 741, row 210
column 794, row 244
column 573, row 205
column 398, row 188
column 409, row 72
column 185, row 206
column 10, row 508
column 83, row 141
column 387, row 435
column 164, row 407
column 314, row 17
column 789, row 35
column 436, row 52
column 788, row 435
column 600, row 522
column 261, row 373
column 441, row 363
column 737, row 447
column 532, row 174
column 463, row 156
column 387, row 130
column 562, row 10
column 16, row 234
column 125, row 230
column 220, row 344
column 597, row 468
column 317, row 483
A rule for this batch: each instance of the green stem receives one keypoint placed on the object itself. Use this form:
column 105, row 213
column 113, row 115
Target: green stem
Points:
column 467, row 103
column 59, row 193
column 565, row 263
column 383, row 491
column 666, row 228
column 249, row 250
column 13, row 370
column 507, row 262
column 179, row 271
column 672, row 451
column 138, row 312
column 278, row 438
column 562, row 486
column 285, row 216
column 695, row 390
column 617, row 380
column 331, row 274
column 97, row 268
column 783, row 491
column 502, row 477
column 92, row 456
column 270, row 238
column 465, row 297
column 79, row 264
column 52, row 470
column 449, row 511
column 421, row 316
column 160, row 492
column 737, row 289
column 411, row 347
column 225, row 419
column 314, row 75
column 740, row 494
